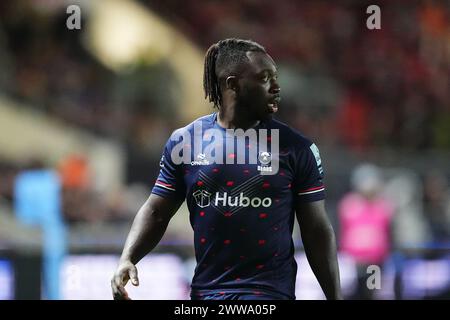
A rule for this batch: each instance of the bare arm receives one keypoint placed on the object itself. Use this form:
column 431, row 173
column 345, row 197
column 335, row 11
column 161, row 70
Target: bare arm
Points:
column 320, row 246
column 147, row 229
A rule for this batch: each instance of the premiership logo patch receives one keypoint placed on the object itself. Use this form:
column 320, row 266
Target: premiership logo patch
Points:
column 316, row 154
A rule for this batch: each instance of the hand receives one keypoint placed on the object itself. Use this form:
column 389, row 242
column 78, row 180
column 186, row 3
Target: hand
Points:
column 125, row 271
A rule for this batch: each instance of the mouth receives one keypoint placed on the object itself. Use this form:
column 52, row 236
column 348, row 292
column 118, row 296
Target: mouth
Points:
column 273, row 105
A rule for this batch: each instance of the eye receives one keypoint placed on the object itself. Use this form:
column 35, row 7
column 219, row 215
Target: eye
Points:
column 267, row 77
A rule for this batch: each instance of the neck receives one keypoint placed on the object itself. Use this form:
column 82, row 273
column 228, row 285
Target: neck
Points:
column 229, row 118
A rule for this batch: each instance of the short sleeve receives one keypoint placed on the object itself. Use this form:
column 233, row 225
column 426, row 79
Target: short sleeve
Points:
column 308, row 181
column 170, row 182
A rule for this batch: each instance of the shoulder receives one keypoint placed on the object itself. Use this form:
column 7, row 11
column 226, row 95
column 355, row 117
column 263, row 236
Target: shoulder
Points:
column 291, row 137
column 203, row 122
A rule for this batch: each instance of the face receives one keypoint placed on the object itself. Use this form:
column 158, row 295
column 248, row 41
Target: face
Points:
column 259, row 93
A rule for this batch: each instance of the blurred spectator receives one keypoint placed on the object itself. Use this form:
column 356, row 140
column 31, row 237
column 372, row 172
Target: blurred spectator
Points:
column 364, row 217
column 354, row 120
column 437, row 206
column 8, row 171
column 404, row 190
column 74, row 172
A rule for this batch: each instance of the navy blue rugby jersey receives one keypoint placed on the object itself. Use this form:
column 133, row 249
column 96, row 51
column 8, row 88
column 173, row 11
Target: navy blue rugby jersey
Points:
column 242, row 218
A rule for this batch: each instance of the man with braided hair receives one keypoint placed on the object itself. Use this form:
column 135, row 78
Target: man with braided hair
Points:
column 242, row 213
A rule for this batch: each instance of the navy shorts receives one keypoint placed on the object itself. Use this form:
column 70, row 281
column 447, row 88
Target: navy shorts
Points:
column 237, row 296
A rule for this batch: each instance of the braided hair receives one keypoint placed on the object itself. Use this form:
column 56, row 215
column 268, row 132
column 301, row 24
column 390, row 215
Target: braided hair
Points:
column 222, row 59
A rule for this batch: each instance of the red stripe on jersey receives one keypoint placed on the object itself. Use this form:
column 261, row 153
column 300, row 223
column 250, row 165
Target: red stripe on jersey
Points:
column 163, row 183
column 312, row 189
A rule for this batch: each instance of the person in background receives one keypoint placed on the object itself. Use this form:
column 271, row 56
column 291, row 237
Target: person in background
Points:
column 364, row 218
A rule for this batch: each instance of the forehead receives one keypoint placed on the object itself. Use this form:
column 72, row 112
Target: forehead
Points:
column 259, row 61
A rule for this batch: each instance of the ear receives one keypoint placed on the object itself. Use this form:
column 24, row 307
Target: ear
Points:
column 231, row 83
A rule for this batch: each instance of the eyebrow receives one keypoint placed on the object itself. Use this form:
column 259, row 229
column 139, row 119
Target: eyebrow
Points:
column 268, row 70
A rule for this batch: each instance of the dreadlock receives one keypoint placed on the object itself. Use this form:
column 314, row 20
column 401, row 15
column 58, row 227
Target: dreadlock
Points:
column 222, row 59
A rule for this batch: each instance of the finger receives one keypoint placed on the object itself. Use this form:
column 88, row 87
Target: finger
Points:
column 120, row 294
column 134, row 276
column 119, row 291
column 115, row 291
column 123, row 293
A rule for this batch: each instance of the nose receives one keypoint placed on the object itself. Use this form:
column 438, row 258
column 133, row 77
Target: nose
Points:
column 275, row 87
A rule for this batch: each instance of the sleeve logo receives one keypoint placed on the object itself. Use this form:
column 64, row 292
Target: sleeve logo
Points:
column 316, row 154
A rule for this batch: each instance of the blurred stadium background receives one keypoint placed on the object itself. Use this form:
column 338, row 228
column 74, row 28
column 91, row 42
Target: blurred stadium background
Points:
column 84, row 115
